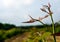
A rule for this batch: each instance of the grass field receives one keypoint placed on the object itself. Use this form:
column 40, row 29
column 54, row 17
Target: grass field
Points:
column 33, row 34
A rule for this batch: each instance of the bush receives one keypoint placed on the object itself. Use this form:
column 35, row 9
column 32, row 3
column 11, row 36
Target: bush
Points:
column 13, row 32
column 2, row 37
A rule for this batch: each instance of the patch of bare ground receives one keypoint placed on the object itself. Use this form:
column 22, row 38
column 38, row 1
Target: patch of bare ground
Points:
column 58, row 38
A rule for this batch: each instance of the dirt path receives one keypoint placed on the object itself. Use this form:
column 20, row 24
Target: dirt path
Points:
column 18, row 38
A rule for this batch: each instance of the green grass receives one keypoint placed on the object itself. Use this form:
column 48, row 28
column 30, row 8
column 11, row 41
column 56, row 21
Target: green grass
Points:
column 45, row 32
column 5, row 34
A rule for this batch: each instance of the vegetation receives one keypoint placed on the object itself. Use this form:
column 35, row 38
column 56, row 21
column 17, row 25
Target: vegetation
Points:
column 46, row 9
column 33, row 30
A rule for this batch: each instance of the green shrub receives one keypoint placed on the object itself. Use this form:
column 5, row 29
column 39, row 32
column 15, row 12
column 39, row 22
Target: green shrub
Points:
column 2, row 37
column 13, row 32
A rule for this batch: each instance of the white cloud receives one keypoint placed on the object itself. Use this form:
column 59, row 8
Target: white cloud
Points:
column 28, row 2
column 8, row 3
column 11, row 3
column 14, row 3
column 13, row 7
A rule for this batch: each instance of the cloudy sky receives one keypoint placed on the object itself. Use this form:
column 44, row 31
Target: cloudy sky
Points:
column 16, row 11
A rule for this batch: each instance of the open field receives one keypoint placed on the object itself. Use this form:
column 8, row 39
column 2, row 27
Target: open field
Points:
column 29, row 34
column 34, row 35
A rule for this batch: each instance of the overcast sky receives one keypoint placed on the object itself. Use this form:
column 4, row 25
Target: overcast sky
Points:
column 16, row 11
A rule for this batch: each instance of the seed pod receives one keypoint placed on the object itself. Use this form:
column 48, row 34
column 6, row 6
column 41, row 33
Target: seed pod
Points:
column 42, row 9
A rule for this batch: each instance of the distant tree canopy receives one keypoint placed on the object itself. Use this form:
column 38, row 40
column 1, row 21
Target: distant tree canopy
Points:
column 6, row 26
column 10, row 26
column 1, row 26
